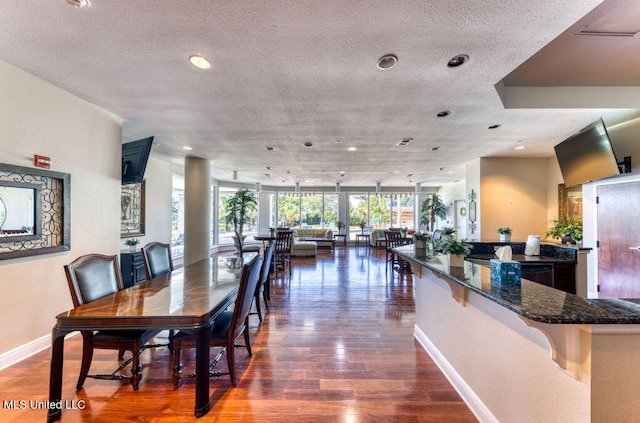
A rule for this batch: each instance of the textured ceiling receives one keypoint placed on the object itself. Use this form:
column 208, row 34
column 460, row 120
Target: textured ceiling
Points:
column 289, row 72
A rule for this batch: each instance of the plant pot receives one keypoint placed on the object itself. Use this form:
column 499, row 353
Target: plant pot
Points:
column 456, row 260
column 420, row 248
column 505, row 237
column 132, row 248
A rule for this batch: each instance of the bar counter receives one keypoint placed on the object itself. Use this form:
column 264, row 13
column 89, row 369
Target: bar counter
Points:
column 528, row 352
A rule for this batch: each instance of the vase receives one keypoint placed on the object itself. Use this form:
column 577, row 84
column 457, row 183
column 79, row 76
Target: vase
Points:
column 132, row 248
column 456, row 260
column 420, row 248
column 505, row 237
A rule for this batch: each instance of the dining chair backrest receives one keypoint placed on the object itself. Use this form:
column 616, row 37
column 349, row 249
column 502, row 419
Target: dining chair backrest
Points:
column 394, row 238
column 157, row 259
column 394, row 229
column 266, row 262
column 93, row 276
column 283, row 241
column 246, row 292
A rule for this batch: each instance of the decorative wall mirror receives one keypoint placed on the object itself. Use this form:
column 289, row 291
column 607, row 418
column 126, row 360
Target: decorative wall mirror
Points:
column 34, row 211
column 472, row 211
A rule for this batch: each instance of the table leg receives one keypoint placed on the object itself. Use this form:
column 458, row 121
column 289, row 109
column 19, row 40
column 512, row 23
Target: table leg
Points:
column 203, row 337
column 55, row 375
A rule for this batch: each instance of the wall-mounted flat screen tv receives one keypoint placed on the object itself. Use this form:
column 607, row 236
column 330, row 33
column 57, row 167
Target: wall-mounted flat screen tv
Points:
column 135, row 155
column 587, row 155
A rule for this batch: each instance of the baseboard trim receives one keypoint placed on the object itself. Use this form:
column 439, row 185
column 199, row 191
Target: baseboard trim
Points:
column 475, row 404
column 25, row 351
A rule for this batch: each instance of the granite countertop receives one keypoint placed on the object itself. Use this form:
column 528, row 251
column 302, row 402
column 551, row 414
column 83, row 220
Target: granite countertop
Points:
column 532, row 300
column 522, row 258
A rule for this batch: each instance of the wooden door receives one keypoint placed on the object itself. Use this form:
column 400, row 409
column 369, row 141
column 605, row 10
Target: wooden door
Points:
column 619, row 236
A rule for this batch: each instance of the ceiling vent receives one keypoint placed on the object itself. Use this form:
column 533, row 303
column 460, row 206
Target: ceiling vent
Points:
column 405, row 141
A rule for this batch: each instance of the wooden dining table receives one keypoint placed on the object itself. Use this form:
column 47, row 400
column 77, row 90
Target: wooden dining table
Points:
column 187, row 299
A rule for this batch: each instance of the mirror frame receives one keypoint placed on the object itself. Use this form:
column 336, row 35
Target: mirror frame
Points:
column 52, row 198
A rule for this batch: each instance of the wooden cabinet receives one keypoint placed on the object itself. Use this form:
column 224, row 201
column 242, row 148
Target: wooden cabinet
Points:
column 132, row 268
column 564, row 277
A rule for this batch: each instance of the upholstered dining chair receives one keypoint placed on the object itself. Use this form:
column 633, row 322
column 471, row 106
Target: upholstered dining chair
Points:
column 157, row 260
column 227, row 328
column 90, row 278
column 283, row 251
column 265, row 278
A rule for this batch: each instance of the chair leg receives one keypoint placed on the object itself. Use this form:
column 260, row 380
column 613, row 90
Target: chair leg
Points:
column 247, row 341
column 121, row 354
column 257, row 300
column 231, row 362
column 266, row 292
column 177, row 366
column 87, row 355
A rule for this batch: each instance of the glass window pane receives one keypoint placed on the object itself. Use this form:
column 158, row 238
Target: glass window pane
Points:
column 288, row 210
column 380, row 213
column 311, row 207
column 358, row 212
column 330, row 211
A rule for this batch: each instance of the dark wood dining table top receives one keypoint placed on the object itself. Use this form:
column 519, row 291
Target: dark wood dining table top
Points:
column 184, row 298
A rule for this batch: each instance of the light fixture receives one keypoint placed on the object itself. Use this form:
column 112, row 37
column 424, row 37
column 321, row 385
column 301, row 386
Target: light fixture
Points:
column 352, row 149
column 308, row 145
column 458, row 60
column 520, row 147
column 187, row 148
column 405, row 141
column 342, row 173
column 79, row 3
column 443, row 113
column 258, row 187
column 378, row 187
column 435, row 148
column 199, row 61
column 269, row 148
column 387, row 61
column 337, row 186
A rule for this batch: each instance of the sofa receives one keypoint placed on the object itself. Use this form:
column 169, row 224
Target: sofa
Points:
column 300, row 247
column 377, row 237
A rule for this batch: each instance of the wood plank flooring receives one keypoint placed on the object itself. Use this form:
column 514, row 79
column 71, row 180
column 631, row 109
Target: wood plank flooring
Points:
column 336, row 345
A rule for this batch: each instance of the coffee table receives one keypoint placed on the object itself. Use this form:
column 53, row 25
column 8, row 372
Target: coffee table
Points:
column 325, row 241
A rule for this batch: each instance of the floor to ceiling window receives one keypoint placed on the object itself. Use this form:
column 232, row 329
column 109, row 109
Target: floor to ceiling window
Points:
column 225, row 231
column 358, row 213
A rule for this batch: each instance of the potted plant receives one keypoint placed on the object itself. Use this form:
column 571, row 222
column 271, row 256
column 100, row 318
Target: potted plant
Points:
column 131, row 243
column 447, row 231
column 431, row 208
column 456, row 249
column 235, row 214
column 505, row 233
column 420, row 241
column 568, row 230
column 362, row 225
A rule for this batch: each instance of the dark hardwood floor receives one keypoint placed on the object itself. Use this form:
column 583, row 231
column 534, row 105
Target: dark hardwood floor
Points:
column 336, row 345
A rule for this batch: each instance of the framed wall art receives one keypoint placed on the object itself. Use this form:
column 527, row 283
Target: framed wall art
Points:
column 569, row 202
column 132, row 210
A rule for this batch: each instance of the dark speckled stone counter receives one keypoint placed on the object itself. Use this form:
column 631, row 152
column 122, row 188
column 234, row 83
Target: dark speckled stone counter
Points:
column 529, row 299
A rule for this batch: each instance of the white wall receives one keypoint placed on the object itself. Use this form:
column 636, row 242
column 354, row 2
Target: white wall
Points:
column 84, row 141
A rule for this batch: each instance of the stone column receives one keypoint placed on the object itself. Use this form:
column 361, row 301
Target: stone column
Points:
column 197, row 209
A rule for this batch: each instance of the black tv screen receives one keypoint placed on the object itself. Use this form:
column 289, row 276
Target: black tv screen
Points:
column 587, row 155
column 135, row 155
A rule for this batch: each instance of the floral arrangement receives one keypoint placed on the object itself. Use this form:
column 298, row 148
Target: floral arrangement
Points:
column 340, row 224
column 362, row 224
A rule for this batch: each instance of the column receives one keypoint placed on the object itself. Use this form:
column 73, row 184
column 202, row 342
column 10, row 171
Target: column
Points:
column 197, row 209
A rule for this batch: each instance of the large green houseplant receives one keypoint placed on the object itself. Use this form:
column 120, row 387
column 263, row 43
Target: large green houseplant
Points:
column 568, row 230
column 432, row 207
column 235, row 214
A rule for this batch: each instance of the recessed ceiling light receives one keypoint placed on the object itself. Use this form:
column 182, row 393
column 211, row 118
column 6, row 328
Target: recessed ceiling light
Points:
column 450, row 172
column 396, row 171
column 495, row 126
column 186, row 147
column 443, row 113
column 269, row 148
column 405, row 141
column 308, row 145
column 520, row 147
column 387, row 61
column 435, row 148
column 79, row 3
column 352, row 149
column 199, row 61
column 441, row 169
column 409, row 175
column 458, row 60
